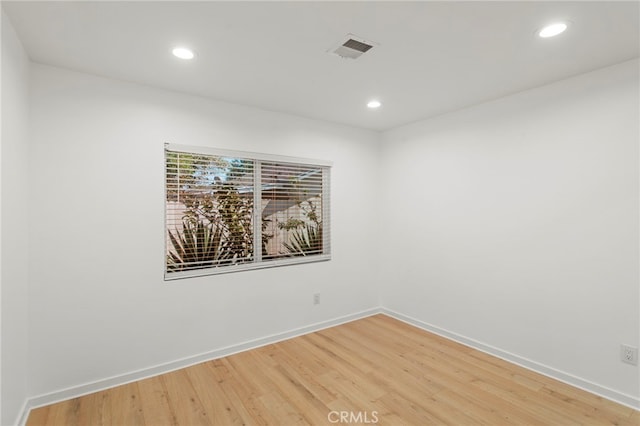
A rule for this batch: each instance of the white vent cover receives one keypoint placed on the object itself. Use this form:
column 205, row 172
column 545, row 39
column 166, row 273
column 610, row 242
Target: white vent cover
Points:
column 352, row 47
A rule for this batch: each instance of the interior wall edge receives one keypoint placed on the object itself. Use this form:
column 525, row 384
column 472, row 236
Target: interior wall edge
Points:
column 570, row 379
column 122, row 379
column 23, row 415
column 14, row 70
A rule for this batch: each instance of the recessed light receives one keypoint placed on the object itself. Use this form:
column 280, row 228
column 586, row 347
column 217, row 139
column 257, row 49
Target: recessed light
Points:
column 183, row 53
column 553, row 30
column 374, row 104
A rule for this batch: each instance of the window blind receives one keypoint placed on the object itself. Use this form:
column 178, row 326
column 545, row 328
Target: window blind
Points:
column 229, row 211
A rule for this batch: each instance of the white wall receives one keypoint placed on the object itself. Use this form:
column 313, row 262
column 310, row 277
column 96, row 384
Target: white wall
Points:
column 515, row 224
column 98, row 304
column 13, row 224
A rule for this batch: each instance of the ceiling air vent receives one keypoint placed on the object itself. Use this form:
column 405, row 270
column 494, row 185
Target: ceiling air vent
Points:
column 352, row 47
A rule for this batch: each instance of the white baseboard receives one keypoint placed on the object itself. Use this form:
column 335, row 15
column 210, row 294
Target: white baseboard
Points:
column 24, row 414
column 87, row 388
column 610, row 394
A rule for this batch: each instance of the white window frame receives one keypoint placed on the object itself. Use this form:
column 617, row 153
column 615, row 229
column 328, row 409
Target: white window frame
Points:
column 257, row 262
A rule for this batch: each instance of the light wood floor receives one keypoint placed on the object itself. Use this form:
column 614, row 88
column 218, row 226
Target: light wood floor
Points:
column 376, row 368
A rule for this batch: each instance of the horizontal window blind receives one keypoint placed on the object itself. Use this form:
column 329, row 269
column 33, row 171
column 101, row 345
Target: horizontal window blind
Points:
column 231, row 211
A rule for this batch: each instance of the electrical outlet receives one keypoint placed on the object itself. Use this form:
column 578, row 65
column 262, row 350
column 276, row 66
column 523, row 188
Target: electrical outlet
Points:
column 316, row 299
column 629, row 354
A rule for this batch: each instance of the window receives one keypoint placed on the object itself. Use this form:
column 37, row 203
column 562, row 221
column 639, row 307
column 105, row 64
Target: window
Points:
column 229, row 211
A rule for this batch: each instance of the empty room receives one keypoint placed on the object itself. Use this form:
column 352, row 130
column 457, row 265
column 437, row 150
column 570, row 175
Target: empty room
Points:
column 320, row 213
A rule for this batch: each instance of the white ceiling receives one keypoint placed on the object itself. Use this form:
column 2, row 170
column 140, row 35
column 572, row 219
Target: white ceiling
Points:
column 433, row 57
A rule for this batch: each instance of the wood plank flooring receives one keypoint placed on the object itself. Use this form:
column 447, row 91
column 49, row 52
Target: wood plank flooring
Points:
column 374, row 370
